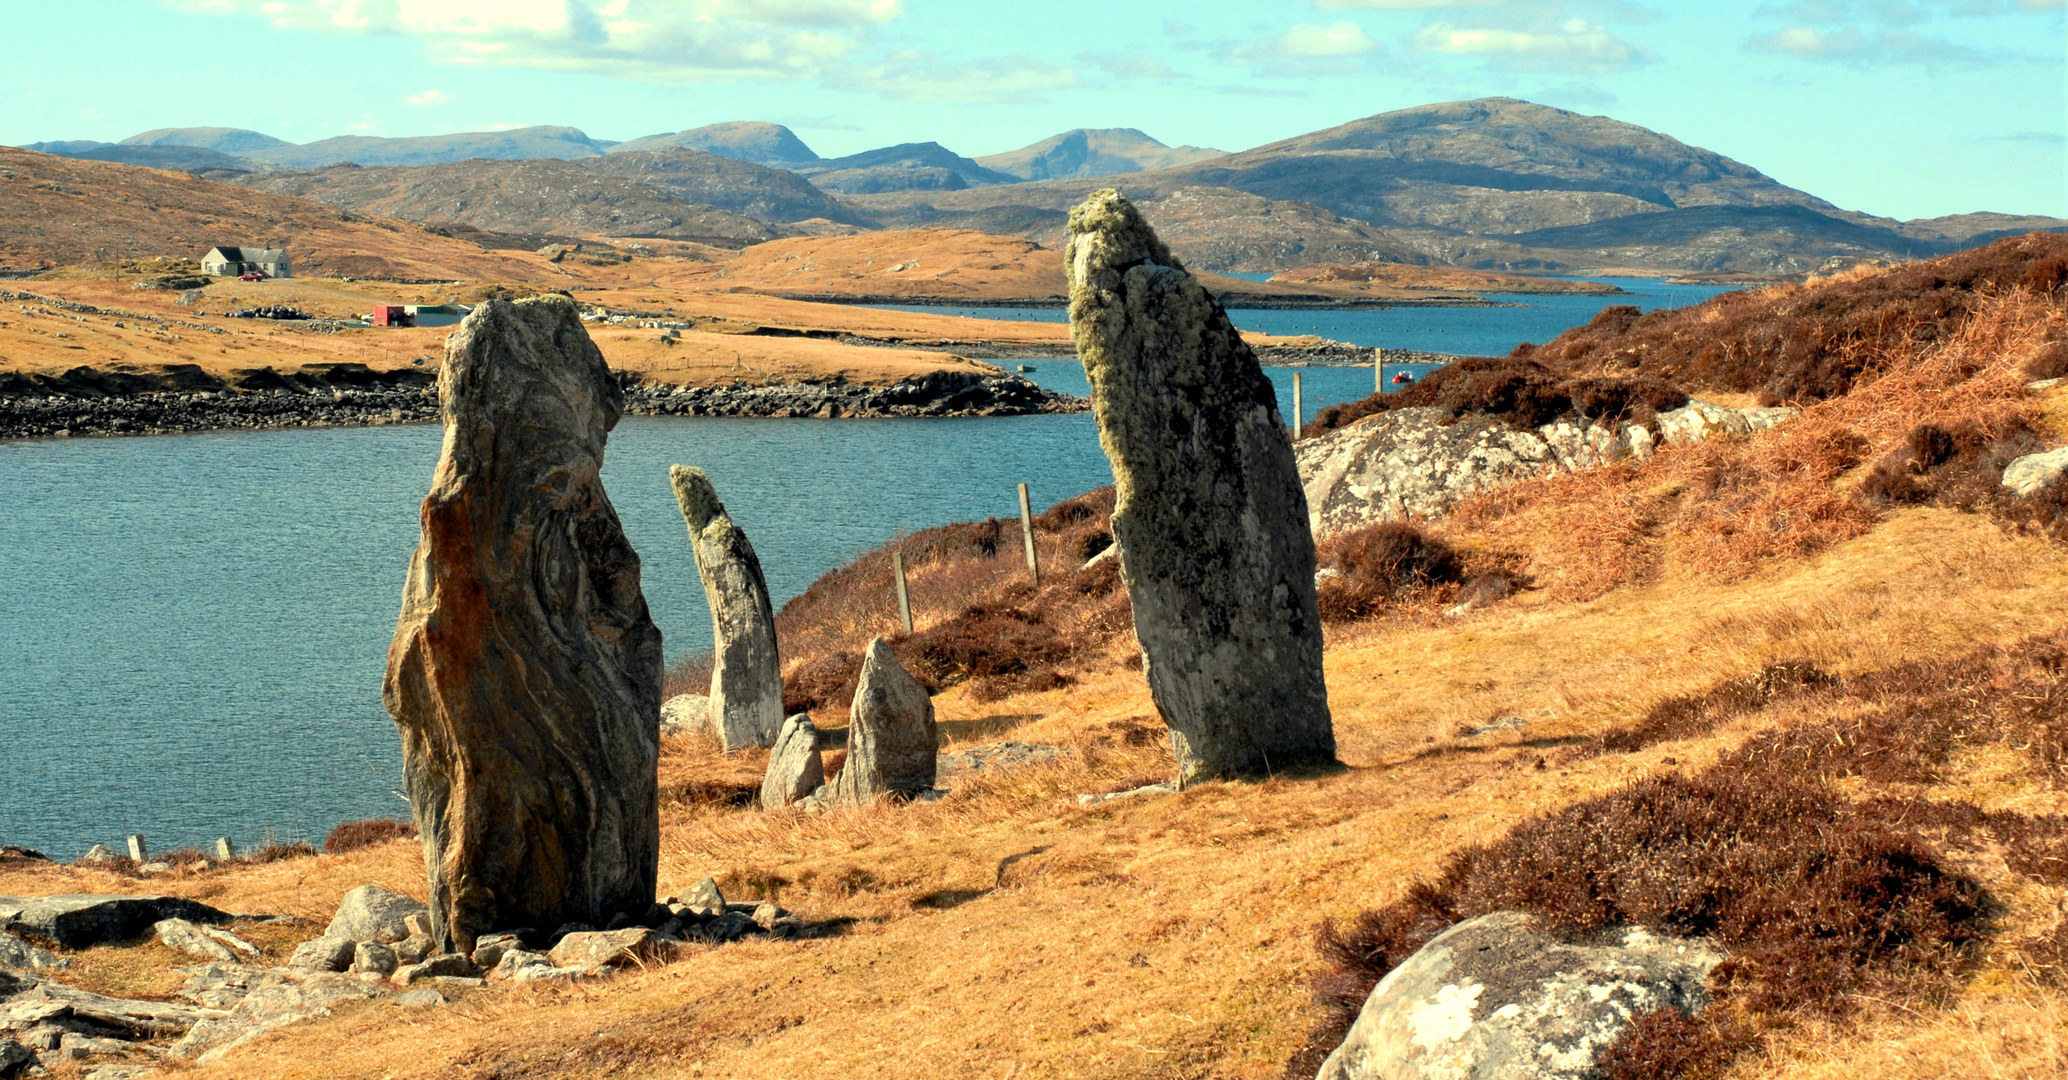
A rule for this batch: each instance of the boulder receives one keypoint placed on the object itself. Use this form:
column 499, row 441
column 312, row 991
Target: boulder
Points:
column 891, row 739
column 1419, row 463
column 704, row 899
column 523, row 965
column 270, row 1005
column 374, row 958
column 525, row 672
column 685, row 713
column 489, row 949
column 746, row 683
column 1494, row 998
column 78, row 921
column 371, row 913
column 189, row 938
column 1209, row 515
column 614, row 948
column 441, row 966
column 2028, row 474
column 14, row 1057
column 414, row 948
column 99, row 853
column 731, row 926
column 324, row 954
column 795, row 768
column 421, row 998
column 16, row 953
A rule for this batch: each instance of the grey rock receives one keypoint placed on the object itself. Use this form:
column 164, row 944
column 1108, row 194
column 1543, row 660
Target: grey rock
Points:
column 1209, row 515
column 489, row 949
column 117, row 1072
column 99, row 853
column 324, row 954
column 746, row 706
column 372, row 957
column 1101, row 798
column 685, row 713
column 371, row 913
column 731, row 926
column 523, row 966
column 16, row 953
column 1494, row 999
column 154, row 868
column 189, row 938
column 795, row 768
column 268, row 1006
column 77, row 921
column 704, row 899
column 1417, row 464
column 995, row 757
column 892, row 742
column 414, row 948
column 49, row 1001
column 525, row 672
column 767, row 914
column 441, row 965
column 77, row 1047
column 421, row 998
column 14, row 1057
column 2029, row 474
column 615, row 948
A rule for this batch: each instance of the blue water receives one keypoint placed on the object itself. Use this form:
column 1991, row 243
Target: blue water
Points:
column 1462, row 331
column 195, row 626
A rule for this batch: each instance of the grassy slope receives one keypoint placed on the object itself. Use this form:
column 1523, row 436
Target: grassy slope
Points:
column 1007, row 931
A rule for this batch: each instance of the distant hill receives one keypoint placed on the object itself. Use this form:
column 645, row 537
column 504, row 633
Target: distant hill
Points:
column 1094, row 152
column 521, row 197
column 57, row 211
column 743, row 140
column 742, row 187
column 926, row 166
column 173, row 156
column 514, row 145
column 225, row 140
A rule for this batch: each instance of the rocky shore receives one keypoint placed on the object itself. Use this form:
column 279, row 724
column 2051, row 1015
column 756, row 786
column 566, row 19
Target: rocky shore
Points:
column 34, row 415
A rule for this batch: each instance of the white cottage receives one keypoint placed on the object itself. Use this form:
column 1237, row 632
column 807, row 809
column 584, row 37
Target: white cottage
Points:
column 235, row 261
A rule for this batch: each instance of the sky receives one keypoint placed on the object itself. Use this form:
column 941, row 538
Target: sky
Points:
column 1903, row 108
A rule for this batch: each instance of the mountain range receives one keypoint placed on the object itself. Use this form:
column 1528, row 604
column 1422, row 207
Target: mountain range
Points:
column 1495, row 183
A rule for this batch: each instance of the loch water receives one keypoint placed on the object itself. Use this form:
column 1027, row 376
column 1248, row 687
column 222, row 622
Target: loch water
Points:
column 194, row 627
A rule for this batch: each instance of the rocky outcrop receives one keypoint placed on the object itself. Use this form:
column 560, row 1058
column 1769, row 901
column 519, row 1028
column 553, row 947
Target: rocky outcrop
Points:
column 2029, row 474
column 16, row 953
column 746, row 706
column 891, row 739
column 795, row 768
column 525, row 672
column 939, row 393
column 260, row 1000
column 1418, row 463
column 77, row 921
column 206, row 942
column 1209, row 516
column 1494, row 998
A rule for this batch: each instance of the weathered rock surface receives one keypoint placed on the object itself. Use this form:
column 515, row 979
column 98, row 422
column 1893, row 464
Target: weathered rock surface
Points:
column 704, row 899
column 613, row 948
column 1210, row 517
column 795, row 768
column 324, row 954
column 891, row 739
column 995, row 757
column 444, row 965
column 489, row 949
column 77, row 921
column 525, row 672
column 375, row 958
column 16, row 953
column 273, row 999
column 1494, row 999
column 371, row 913
column 192, row 940
column 2029, row 474
column 1410, row 463
column 746, row 683
column 523, row 965
column 685, row 713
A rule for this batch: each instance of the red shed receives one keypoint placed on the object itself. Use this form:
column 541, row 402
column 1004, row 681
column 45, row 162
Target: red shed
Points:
column 391, row 315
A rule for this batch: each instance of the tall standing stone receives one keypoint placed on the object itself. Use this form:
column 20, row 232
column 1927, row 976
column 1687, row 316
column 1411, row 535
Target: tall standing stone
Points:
column 892, row 744
column 525, row 674
column 1210, row 518
column 746, row 679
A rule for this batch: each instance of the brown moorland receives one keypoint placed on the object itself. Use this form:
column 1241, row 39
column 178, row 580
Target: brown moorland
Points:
column 1387, row 276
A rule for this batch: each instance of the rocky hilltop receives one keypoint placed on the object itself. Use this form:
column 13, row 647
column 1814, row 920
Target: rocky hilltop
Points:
column 1094, row 152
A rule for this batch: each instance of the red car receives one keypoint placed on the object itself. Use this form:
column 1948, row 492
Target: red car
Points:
column 253, row 276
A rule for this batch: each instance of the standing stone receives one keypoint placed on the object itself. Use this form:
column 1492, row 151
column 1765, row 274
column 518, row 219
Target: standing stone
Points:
column 746, row 681
column 891, row 740
column 525, row 674
column 138, row 850
column 1209, row 517
column 795, row 768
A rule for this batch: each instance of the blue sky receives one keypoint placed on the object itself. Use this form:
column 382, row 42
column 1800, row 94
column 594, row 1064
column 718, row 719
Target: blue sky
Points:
column 1907, row 108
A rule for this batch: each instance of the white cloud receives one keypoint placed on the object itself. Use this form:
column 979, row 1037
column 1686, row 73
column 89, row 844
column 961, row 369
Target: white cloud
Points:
column 428, row 99
column 1343, row 38
column 665, row 40
column 1305, row 49
column 1128, row 65
column 916, row 75
column 1863, row 48
column 1867, row 33
column 1572, row 45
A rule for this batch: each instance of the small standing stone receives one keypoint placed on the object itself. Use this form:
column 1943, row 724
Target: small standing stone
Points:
column 138, row 850
column 1210, row 519
column 795, row 768
column 746, row 682
column 704, row 899
column 224, row 849
column 892, row 744
column 376, row 958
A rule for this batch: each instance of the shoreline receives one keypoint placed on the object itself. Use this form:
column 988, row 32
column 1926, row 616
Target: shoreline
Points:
column 1231, row 300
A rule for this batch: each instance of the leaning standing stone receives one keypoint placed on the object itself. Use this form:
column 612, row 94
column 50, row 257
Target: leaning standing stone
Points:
column 1210, row 519
column 795, row 768
column 892, row 744
column 746, row 681
column 525, row 674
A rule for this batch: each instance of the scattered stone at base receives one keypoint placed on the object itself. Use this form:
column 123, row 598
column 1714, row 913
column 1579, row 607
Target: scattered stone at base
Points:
column 1493, row 996
column 766, row 914
column 421, row 998
column 490, row 948
column 523, row 965
column 615, row 948
column 371, row 913
column 274, row 1000
column 375, row 958
column 324, row 954
column 16, row 953
column 442, row 964
column 704, row 899
column 731, row 926
column 1166, row 788
column 414, row 949
column 188, row 938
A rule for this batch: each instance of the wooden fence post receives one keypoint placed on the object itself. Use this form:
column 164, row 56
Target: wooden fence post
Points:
column 1299, row 410
column 897, row 569
column 1027, row 532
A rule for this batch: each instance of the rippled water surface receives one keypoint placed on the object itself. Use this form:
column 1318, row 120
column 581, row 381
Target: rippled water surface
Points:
column 194, row 627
